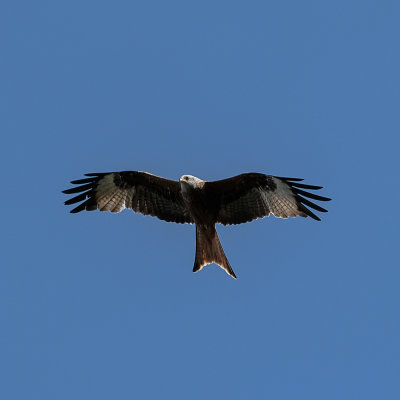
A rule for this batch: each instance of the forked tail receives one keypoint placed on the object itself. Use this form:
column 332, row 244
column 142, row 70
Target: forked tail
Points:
column 209, row 250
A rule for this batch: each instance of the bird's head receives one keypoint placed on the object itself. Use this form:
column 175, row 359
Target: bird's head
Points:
column 191, row 181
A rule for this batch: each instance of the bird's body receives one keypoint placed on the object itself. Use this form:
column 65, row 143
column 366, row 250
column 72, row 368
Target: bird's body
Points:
column 194, row 197
column 192, row 200
column 208, row 246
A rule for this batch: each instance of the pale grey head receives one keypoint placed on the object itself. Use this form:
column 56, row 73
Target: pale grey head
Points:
column 190, row 181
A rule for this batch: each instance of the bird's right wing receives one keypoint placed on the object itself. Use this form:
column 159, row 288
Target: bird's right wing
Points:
column 245, row 197
column 140, row 191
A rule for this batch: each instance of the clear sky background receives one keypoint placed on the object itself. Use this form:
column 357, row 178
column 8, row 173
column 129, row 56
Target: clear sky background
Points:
column 104, row 306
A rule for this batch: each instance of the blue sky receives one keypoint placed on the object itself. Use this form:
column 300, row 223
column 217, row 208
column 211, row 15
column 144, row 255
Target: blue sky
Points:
column 103, row 306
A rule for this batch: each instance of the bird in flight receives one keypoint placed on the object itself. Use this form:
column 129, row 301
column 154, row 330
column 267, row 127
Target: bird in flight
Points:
column 235, row 200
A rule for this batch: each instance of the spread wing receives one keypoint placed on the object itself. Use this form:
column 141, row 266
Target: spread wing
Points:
column 139, row 191
column 249, row 196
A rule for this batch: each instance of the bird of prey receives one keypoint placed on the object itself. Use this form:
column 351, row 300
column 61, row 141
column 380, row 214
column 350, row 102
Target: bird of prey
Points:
column 235, row 200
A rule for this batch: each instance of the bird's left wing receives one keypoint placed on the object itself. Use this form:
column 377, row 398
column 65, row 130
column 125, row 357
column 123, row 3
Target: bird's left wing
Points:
column 140, row 191
column 249, row 196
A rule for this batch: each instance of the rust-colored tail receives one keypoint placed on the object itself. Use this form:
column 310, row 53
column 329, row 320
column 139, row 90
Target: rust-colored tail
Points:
column 209, row 250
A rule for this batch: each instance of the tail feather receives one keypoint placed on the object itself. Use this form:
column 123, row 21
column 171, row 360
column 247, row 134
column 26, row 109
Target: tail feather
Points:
column 209, row 250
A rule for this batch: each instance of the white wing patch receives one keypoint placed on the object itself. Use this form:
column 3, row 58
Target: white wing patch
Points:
column 111, row 197
column 281, row 202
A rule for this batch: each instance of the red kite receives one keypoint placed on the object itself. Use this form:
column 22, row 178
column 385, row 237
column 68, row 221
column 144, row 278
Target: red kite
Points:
column 236, row 200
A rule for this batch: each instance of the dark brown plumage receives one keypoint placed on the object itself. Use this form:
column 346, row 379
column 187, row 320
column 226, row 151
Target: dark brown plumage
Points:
column 236, row 200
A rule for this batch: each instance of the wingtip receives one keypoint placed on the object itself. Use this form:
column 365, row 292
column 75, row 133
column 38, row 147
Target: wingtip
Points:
column 285, row 178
